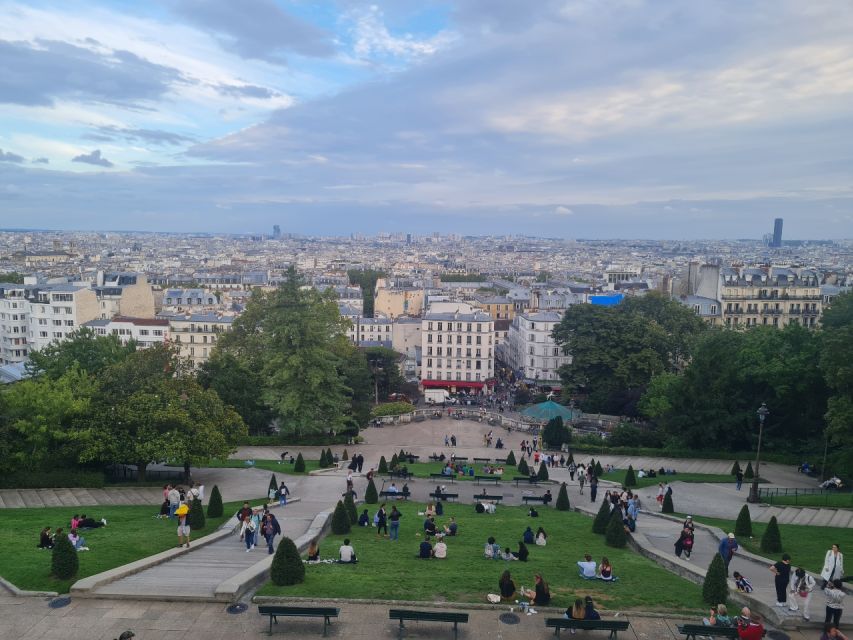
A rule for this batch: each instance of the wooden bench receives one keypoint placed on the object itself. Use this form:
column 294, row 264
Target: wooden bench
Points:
column 444, row 496
column 531, row 481
column 276, row 611
column 451, row 477
column 395, row 494
column 399, row 474
column 528, row 499
column 482, row 459
column 500, row 460
column 693, row 631
column 495, row 479
column 436, row 458
column 587, row 625
column 483, row 496
column 460, row 459
column 428, row 616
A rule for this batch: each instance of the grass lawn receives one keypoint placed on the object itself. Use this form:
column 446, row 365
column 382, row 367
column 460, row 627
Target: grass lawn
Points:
column 618, row 475
column 423, row 469
column 807, row 545
column 391, row 570
column 131, row 533
column 831, row 499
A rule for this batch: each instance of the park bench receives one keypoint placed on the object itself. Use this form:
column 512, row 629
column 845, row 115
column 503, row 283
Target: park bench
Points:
column 482, row 459
column 451, row 477
column 587, row 625
column 405, row 475
column 531, row 481
column 484, row 496
column 428, row 616
column 500, row 460
column 460, row 459
column 276, row 611
column 495, row 479
column 444, row 496
column 694, row 631
column 529, row 499
column 436, row 416
column 435, row 458
column 395, row 494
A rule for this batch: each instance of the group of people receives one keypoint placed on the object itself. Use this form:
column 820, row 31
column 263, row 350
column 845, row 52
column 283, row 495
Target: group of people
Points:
column 256, row 523
column 628, row 505
column 175, row 495
column 48, row 537
column 589, row 570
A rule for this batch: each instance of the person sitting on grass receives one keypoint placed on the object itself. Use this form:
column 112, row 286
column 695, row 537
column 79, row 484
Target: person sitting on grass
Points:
column 506, row 586
column 364, row 519
column 541, row 595
column 590, row 612
column 430, row 510
column 533, row 513
column 576, row 612
column 492, row 549
column 528, row 536
column 743, row 585
column 429, row 527
column 546, row 499
column 523, row 552
column 587, row 566
column 439, row 551
column 90, row 523
column 75, row 521
column 451, row 528
column 719, row 617
column 76, row 541
column 313, row 551
column 507, row 554
column 605, row 569
column 541, row 537
column 425, row 551
column 346, row 553
column 45, row 539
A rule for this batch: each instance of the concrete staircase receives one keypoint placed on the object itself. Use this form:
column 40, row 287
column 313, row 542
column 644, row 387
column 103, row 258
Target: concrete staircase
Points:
column 822, row 517
column 30, row 498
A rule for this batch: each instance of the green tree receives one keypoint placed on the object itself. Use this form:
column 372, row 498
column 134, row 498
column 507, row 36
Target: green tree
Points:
column 240, row 386
column 349, row 504
column 598, row 470
column 630, row 478
column 771, row 541
column 366, row 279
column 214, row 504
column 370, row 494
column 836, row 356
column 736, row 468
column 743, row 526
column 542, row 474
column 384, row 367
column 195, row 517
column 356, row 376
column 340, row 520
column 287, row 567
column 64, row 562
column 749, row 474
column 330, row 458
column 395, row 462
column 614, row 535
column 383, row 466
column 510, row 459
column 667, row 504
column 562, row 503
column 83, row 350
column 12, row 277
column 555, row 433
column 602, row 518
column 523, row 468
column 299, row 465
column 323, row 463
column 715, row 588
column 345, row 455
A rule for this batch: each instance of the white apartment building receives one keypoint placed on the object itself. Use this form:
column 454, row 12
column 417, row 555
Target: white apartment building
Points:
column 14, row 324
column 144, row 331
column 375, row 332
column 196, row 334
column 56, row 311
column 531, row 351
column 181, row 299
column 457, row 349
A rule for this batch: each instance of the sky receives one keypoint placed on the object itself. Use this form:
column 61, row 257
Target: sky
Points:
column 661, row 119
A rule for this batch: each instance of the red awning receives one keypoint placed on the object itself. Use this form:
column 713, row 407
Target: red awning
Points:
column 452, row 383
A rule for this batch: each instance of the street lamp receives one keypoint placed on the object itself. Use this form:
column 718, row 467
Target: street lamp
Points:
column 762, row 412
column 377, row 369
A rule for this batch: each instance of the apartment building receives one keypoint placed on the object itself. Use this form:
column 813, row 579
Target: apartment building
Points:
column 774, row 296
column 144, row 331
column 530, row 349
column 56, row 311
column 394, row 302
column 125, row 294
column 193, row 299
column 499, row 307
column 375, row 332
column 14, row 324
column 457, row 349
column 196, row 334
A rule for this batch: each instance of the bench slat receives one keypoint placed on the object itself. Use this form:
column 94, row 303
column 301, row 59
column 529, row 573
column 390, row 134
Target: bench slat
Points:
column 694, row 630
column 427, row 616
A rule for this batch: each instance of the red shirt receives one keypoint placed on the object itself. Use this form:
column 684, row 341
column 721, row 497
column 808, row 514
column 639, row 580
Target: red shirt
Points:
column 752, row 631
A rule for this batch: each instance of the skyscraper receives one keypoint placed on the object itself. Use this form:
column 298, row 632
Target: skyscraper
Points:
column 276, row 231
column 777, row 233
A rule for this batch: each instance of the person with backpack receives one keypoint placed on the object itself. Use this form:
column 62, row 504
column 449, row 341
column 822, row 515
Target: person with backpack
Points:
column 270, row 528
column 283, row 492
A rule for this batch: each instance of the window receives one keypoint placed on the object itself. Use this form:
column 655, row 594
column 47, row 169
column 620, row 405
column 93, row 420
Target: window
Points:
column 440, row 326
column 467, row 339
column 429, row 337
column 479, row 340
column 479, row 327
column 467, row 364
column 458, row 352
column 429, row 351
column 477, row 365
column 458, row 326
column 69, row 323
column 468, row 352
column 477, row 353
column 458, row 364
column 468, row 327
column 440, row 349
column 458, row 339
column 429, row 362
column 429, row 326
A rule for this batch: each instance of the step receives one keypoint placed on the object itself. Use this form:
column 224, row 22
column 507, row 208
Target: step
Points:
column 31, row 498
column 85, row 498
column 805, row 516
column 48, row 497
column 823, row 518
column 788, row 515
column 842, row 518
column 67, row 498
column 101, row 497
column 12, row 499
column 769, row 512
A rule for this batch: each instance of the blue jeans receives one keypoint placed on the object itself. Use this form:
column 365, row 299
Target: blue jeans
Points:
column 282, row 500
column 81, row 542
column 739, row 482
column 172, row 509
column 250, row 539
column 395, row 530
column 269, row 539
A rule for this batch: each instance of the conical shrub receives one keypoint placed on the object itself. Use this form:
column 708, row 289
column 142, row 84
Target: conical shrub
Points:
column 571, row 458
column 735, row 468
column 273, row 487
column 598, row 470
column 749, row 474
column 299, row 465
column 370, row 494
column 195, row 518
column 395, row 462
column 383, row 466
column 287, row 567
column 667, row 503
column 323, row 464
column 715, row 588
column 562, row 503
column 64, row 562
column 340, row 520
column 615, row 535
column 743, row 526
column 771, row 541
column 602, row 518
column 345, row 455
column 402, row 457
column 630, row 478
column 349, row 503
column 523, row 468
column 214, row 504
column 542, row 474
column 330, row 458
column 510, row 459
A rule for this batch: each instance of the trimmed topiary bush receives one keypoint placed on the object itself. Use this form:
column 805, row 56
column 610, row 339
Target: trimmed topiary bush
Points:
column 715, row 589
column 523, row 468
column 330, row 458
column 340, row 520
column 214, row 505
column 195, row 518
column 667, row 504
column 542, row 474
column 749, row 474
column 349, row 503
column 602, row 518
column 630, row 478
column 743, row 526
column 598, row 470
column 395, row 462
column 64, row 561
column 735, row 468
column 273, row 487
column 287, row 567
column 323, row 464
column 510, row 460
column 615, row 535
column 383, row 465
column 345, row 455
column 771, row 541
column 571, row 458
column 562, row 503
column 299, row 465
column 370, row 494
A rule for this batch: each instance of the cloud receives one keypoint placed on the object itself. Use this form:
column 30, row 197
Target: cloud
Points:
column 94, row 157
column 40, row 72
column 563, row 211
column 41, row 160
column 8, row 156
column 110, row 133
column 256, row 29
column 246, row 91
column 371, row 38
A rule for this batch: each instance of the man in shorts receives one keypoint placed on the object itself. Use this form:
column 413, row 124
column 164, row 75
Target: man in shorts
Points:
column 183, row 528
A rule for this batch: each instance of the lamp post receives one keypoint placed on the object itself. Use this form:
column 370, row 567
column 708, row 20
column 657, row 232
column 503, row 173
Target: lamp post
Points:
column 376, row 371
column 762, row 412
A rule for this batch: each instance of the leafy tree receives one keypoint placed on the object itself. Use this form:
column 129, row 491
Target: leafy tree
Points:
column 195, row 517
column 667, row 504
column 349, row 504
column 64, row 562
column 602, row 518
column 555, row 433
column 749, row 474
column 771, row 541
column 836, row 356
column 340, row 520
column 370, row 494
column 615, row 535
column 273, row 486
column 383, row 466
column 366, row 278
column 240, row 386
column 542, row 474
column 743, row 526
column 299, row 465
column 395, row 462
column 83, row 350
column 562, row 503
column 735, row 468
column 214, row 504
column 715, row 588
column 630, row 478
column 356, row 376
column 510, row 459
column 384, row 367
column 12, row 277
column 523, row 468
column 287, row 567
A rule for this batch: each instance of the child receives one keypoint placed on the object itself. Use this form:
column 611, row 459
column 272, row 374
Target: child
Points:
column 742, row 583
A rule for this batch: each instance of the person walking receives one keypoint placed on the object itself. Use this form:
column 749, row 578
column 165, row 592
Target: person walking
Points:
column 174, row 501
column 283, row 492
column 593, row 487
column 659, row 497
column 727, row 549
column 581, row 478
column 360, row 462
column 834, row 602
column 381, row 521
column 802, row 586
column 572, row 469
column 394, row 518
column 738, row 479
column 270, row 528
column 833, row 566
column 183, row 527
column 781, row 579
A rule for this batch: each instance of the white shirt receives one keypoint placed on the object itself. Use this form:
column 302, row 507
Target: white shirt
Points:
column 541, row 540
column 346, row 552
column 587, row 568
column 440, row 550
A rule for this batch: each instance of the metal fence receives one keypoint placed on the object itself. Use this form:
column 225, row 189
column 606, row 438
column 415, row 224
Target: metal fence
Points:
column 806, row 497
column 125, row 473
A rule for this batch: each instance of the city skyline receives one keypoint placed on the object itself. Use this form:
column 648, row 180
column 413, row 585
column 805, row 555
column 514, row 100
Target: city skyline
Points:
column 624, row 119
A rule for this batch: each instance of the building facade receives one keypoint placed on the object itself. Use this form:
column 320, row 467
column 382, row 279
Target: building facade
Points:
column 145, row 332
column 457, row 350
column 531, row 351
column 196, row 334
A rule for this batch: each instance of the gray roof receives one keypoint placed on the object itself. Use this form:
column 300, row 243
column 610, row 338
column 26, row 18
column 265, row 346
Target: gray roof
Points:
column 542, row 316
column 477, row 316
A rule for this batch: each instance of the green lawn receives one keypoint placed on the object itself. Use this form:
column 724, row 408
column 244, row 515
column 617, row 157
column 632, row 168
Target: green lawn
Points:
column 131, row 533
column 423, row 469
column 390, row 570
column 618, row 475
column 833, row 499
